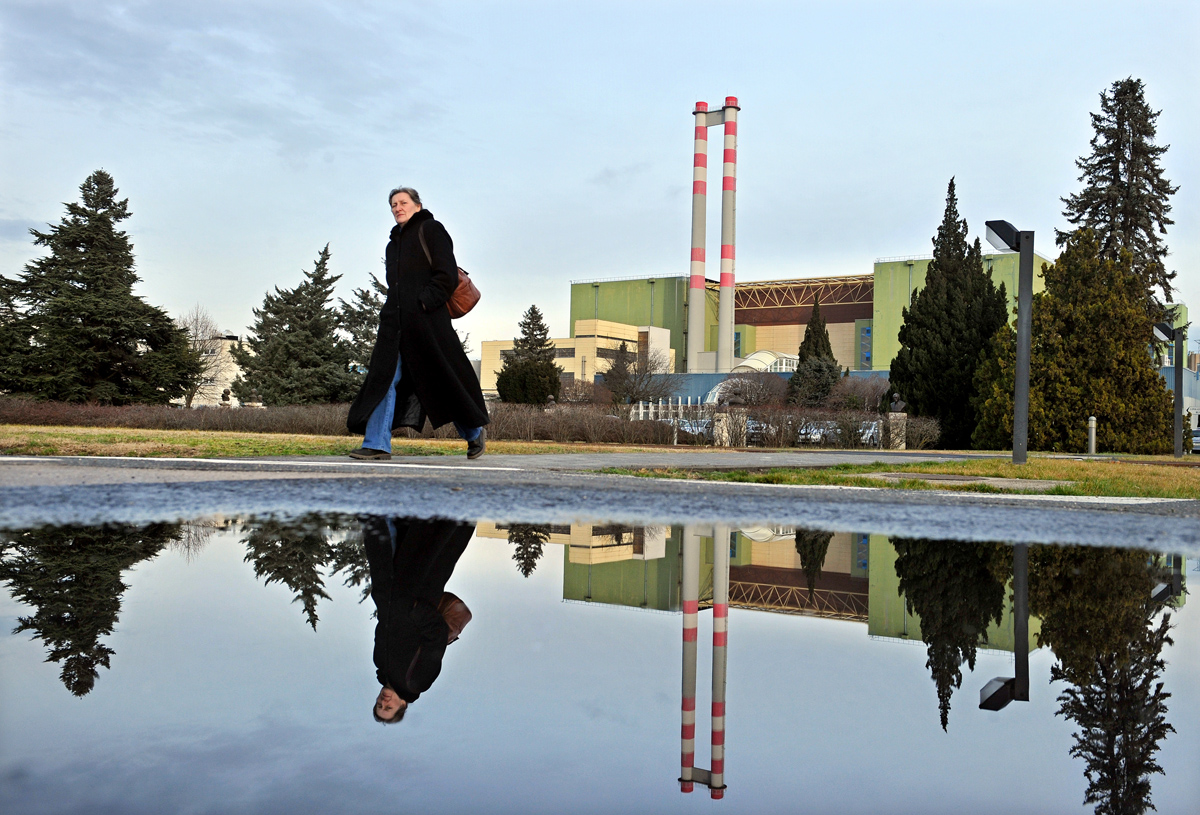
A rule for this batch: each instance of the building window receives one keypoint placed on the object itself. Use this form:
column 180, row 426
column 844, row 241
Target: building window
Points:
column 564, row 353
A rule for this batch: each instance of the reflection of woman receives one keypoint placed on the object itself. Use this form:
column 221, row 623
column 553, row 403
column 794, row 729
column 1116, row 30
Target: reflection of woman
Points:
column 411, row 561
column 418, row 366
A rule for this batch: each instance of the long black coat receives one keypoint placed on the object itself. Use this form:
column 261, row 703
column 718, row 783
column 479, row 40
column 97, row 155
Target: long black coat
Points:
column 436, row 380
column 406, row 585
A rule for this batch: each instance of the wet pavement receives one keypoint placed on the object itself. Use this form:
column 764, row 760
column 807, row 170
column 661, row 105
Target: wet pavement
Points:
column 557, row 489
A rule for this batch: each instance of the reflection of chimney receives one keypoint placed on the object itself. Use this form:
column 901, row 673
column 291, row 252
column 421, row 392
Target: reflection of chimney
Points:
column 690, row 595
column 719, row 660
column 728, row 211
column 696, row 293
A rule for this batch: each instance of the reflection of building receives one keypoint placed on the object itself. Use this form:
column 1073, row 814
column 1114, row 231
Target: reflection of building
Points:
column 589, row 351
column 889, row 617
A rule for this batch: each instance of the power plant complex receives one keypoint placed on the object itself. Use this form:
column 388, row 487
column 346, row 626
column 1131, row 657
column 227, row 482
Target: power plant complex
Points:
column 693, row 324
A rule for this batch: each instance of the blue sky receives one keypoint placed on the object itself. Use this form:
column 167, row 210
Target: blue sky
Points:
column 554, row 139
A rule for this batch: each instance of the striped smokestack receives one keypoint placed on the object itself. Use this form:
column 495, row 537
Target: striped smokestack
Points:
column 728, row 215
column 695, row 343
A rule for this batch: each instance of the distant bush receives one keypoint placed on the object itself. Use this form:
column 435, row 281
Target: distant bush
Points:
column 317, row 420
column 922, row 432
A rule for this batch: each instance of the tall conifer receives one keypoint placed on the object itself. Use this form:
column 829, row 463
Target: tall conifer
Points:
column 1089, row 357
column 950, row 322
column 1126, row 199
column 816, row 336
column 74, row 330
column 295, row 355
column 529, row 375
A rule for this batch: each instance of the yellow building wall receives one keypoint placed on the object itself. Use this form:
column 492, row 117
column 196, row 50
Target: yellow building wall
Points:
column 781, row 554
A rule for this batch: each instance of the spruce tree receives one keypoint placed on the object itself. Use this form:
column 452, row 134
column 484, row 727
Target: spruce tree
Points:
column 1126, row 199
column 816, row 336
column 812, row 545
column 529, row 375
column 1089, row 357
column 71, row 577
column 529, row 541
column 359, row 320
column 295, row 355
column 949, row 324
column 75, row 331
column 294, row 554
column 619, row 376
column 953, row 588
column 813, row 381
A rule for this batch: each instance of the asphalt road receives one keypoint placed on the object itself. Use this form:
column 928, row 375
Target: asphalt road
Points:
column 565, row 488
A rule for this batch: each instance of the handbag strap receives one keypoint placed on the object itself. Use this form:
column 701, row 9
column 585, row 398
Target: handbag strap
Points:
column 425, row 246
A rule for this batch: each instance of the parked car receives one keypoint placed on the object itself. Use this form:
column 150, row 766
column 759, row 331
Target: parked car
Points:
column 1195, row 441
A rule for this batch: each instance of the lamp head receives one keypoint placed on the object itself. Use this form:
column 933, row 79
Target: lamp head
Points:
column 1164, row 332
column 1004, row 236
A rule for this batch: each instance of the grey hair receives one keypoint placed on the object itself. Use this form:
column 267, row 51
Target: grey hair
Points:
column 409, row 191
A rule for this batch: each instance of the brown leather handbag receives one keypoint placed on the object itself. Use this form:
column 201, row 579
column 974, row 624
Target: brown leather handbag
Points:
column 465, row 294
column 456, row 614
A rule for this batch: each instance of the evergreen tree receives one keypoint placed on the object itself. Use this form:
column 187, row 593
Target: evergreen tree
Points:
column 529, row 375
column 955, row 590
column 71, row 577
column 619, row 376
column 1098, row 618
column 1089, row 357
column 295, row 356
column 1126, row 199
column 1120, row 708
column 75, row 331
column 291, row 553
column 359, row 320
column 529, row 540
column 816, row 336
column 812, row 545
column 949, row 324
column 813, row 381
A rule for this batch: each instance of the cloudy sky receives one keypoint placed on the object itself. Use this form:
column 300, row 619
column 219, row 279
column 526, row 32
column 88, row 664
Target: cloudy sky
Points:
column 554, row 139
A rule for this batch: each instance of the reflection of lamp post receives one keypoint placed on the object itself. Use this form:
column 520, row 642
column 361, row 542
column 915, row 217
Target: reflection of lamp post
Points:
column 1004, row 236
column 1165, row 332
column 997, row 693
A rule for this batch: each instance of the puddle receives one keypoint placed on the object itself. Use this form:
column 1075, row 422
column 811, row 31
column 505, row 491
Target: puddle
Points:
column 227, row 665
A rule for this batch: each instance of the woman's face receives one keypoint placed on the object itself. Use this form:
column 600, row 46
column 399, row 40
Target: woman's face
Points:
column 388, row 704
column 403, row 207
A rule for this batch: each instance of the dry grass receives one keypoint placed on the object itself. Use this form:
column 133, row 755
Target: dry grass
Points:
column 1150, row 477
column 93, row 441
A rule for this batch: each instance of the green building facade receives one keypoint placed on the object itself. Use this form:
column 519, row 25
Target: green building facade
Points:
column 897, row 278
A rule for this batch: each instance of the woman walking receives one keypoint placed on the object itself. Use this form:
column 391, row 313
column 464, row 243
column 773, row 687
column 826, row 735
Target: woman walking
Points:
column 418, row 368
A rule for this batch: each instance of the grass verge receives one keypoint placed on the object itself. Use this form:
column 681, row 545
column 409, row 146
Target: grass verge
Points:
column 1128, row 478
column 29, row 440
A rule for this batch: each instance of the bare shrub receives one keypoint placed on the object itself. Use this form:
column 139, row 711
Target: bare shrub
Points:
column 754, row 389
column 858, row 393
column 922, row 432
column 319, row 420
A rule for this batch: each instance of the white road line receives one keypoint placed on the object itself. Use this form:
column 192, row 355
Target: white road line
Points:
column 256, row 463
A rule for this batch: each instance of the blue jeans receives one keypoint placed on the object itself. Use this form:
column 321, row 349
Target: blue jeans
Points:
column 379, row 426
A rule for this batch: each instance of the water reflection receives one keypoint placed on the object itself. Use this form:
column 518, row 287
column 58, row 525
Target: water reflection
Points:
column 70, row 576
column 1105, row 614
column 411, row 561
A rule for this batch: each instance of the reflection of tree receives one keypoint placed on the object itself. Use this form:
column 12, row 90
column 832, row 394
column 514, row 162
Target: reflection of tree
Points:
column 956, row 589
column 1098, row 617
column 348, row 557
column 291, row 553
column 812, row 545
column 71, row 576
column 529, row 540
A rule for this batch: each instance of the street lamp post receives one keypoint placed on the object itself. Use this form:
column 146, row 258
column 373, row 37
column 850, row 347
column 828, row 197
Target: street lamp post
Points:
column 1005, row 236
column 1165, row 332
